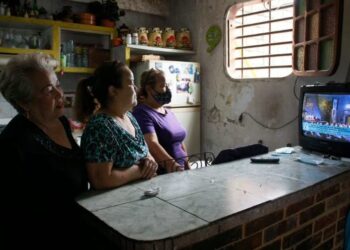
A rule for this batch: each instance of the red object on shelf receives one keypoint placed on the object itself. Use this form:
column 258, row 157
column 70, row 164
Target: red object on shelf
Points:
column 87, row 18
column 108, row 23
column 117, row 41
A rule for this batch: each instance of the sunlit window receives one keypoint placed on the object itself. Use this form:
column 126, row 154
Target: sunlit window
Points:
column 259, row 41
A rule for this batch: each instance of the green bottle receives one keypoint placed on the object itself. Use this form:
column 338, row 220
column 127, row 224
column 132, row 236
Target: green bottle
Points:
column 35, row 9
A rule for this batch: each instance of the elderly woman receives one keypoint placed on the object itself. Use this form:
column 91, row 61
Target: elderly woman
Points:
column 114, row 147
column 42, row 166
column 163, row 132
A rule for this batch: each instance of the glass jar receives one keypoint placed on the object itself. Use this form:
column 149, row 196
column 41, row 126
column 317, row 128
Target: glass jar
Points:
column 155, row 38
column 183, row 39
column 143, row 35
column 169, row 38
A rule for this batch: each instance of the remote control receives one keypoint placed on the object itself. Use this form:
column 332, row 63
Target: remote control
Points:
column 265, row 160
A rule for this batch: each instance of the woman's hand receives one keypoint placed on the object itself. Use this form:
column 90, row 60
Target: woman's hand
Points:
column 148, row 168
column 172, row 166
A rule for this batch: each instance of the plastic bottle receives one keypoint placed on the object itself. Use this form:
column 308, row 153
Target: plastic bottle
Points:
column 135, row 38
column 128, row 39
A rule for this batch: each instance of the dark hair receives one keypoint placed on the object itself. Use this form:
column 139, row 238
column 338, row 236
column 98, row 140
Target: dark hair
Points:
column 148, row 78
column 93, row 91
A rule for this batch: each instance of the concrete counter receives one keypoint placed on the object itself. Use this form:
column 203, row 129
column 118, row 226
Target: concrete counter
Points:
column 236, row 205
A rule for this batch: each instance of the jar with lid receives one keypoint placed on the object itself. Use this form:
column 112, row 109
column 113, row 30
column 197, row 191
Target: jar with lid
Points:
column 142, row 34
column 155, row 37
column 183, row 39
column 169, row 38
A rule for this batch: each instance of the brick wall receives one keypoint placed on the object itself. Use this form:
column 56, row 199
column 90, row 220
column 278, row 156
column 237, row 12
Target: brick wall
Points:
column 314, row 222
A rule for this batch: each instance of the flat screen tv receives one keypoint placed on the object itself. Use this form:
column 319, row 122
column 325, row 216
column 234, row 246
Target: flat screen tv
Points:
column 324, row 119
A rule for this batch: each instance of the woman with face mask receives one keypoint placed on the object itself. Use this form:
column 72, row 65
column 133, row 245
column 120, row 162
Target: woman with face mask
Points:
column 162, row 131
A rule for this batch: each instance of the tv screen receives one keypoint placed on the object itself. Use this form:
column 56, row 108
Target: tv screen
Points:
column 324, row 119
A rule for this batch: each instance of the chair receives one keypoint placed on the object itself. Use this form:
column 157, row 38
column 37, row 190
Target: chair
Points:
column 198, row 160
column 201, row 160
column 228, row 155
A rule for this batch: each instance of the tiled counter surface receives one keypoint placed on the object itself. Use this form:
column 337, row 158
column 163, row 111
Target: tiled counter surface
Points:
column 236, row 205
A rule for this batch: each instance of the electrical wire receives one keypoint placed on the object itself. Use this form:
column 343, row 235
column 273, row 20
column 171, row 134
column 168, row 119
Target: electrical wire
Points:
column 294, row 88
column 265, row 126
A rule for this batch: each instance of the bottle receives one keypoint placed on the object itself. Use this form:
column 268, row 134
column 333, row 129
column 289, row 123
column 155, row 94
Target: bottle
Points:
column 128, row 39
column 135, row 38
column 26, row 9
column 2, row 9
column 85, row 56
column 78, row 56
column 35, row 9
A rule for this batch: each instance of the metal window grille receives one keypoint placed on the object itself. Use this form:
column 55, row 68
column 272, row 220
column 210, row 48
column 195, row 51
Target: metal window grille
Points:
column 259, row 43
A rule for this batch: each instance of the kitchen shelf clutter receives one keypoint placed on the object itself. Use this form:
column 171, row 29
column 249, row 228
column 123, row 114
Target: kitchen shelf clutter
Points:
column 20, row 35
column 76, row 48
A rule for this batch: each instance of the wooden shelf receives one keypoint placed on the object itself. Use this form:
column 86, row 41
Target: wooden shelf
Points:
column 123, row 53
column 80, row 70
column 23, row 22
column 33, row 23
column 143, row 49
column 85, row 28
column 54, row 29
column 4, row 50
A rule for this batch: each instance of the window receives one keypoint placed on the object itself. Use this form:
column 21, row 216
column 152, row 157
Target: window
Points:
column 259, row 41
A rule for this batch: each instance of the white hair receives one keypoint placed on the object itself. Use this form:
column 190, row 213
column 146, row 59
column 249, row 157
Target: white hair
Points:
column 16, row 81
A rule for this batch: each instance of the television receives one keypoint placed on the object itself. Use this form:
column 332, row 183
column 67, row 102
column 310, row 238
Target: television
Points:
column 324, row 119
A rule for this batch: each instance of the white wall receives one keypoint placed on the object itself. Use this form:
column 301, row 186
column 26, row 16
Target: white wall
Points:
column 270, row 101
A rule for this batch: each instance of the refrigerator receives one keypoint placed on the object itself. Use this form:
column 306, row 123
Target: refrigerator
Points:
column 183, row 79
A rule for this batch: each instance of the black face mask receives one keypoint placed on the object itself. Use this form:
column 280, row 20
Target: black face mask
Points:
column 162, row 98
